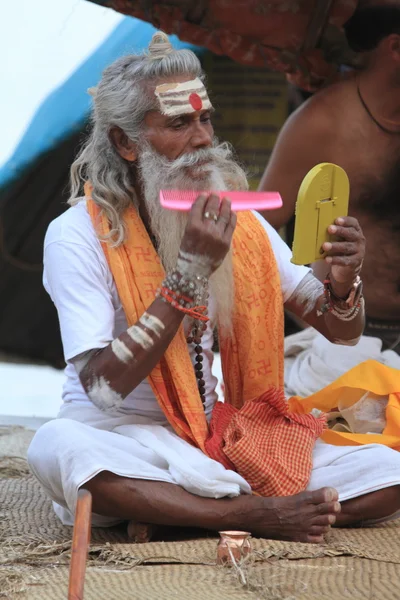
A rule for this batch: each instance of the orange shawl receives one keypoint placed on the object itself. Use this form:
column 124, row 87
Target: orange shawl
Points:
column 254, row 355
column 252, row 361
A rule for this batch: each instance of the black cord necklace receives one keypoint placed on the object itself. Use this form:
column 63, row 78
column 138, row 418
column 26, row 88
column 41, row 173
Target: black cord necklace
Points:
column 371, row 116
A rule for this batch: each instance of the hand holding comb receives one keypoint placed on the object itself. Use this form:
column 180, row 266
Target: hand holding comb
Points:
column 183, row 199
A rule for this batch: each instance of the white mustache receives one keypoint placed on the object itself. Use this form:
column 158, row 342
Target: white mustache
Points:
column 192, row 159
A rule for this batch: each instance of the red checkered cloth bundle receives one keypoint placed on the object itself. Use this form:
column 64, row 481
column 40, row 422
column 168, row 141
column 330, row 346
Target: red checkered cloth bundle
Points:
column 265, row 443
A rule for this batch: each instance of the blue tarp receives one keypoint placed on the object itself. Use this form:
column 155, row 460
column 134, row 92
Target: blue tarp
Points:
column 66, row 109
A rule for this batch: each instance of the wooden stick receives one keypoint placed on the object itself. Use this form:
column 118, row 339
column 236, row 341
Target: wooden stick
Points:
column 80, row 545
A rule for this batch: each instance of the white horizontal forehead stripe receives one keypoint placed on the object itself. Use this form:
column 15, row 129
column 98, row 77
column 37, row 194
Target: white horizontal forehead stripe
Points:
column 185, row 86
column 182, row 95
column 183, row 109
column 174, row 97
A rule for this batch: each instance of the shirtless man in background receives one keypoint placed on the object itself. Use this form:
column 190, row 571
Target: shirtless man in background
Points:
column 356, row 124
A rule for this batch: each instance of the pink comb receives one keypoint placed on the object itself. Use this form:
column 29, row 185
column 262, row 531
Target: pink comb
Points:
column 183, row 199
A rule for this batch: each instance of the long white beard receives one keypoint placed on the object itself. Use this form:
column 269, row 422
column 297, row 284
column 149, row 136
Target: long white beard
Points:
column 168, row 227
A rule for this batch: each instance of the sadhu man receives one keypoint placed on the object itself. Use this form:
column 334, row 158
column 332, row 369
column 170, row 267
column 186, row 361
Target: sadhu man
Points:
column 139, row 290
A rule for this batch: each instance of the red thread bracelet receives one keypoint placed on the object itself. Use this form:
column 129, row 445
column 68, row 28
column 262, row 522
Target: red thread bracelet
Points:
column 197, row 312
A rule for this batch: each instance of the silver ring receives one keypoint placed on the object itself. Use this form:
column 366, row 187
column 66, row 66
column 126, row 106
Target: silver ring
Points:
column 211, row 216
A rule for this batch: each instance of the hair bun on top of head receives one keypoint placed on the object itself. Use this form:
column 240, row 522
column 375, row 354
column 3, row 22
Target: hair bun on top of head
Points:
column 160, row 45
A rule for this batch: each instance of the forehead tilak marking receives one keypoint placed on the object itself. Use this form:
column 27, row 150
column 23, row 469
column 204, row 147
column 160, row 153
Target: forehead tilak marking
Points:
column 182, row 98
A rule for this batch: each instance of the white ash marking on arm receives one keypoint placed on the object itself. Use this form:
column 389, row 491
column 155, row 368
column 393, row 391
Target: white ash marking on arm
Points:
column 193, row 265
column 140, row 337
column 121, row 351
column 82, row 360
column 102, row 394
column 307, row 293
column 152, row 323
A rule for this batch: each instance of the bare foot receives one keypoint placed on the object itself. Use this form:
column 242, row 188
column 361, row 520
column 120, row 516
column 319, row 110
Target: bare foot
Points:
column 140, row 533
column 305, row 517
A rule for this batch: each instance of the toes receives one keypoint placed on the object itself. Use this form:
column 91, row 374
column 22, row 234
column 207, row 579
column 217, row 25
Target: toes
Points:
column 318, row 530
column 324, row 520
column 315, row 539
column 324, row 495
column 326, row 508
column 140, row 533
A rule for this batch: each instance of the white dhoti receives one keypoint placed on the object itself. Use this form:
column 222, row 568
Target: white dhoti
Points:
column 83, row 441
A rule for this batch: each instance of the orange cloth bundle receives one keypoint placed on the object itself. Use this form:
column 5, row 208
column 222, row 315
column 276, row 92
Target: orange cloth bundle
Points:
column 263, row 442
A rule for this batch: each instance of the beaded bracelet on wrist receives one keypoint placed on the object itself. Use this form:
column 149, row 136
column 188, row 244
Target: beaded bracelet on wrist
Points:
column 344, row 309
column 348, row 314
column 194, row 288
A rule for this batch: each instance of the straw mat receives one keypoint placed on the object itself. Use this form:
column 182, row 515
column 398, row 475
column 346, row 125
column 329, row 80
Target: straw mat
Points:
column 35, row 552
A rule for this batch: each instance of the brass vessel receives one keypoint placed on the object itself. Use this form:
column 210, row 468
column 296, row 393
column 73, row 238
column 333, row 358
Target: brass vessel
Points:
column 233, row 546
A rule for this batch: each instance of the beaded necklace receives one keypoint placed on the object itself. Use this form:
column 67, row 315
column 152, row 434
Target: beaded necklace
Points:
column 195, row 333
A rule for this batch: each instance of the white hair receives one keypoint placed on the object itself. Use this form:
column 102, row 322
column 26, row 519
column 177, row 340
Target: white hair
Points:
column 122, row 99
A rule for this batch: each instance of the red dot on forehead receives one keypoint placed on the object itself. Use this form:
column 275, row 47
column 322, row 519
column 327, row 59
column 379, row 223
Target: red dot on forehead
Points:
column 195, row 101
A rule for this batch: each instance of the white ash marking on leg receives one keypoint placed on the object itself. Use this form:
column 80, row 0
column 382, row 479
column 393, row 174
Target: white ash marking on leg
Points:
column 307, row 293
column 102, row 394
column 140, row 337
column 121, row 351
column 153, row 323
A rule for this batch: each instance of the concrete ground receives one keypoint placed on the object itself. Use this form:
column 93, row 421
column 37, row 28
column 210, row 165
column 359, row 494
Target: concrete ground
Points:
column 29, row 394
